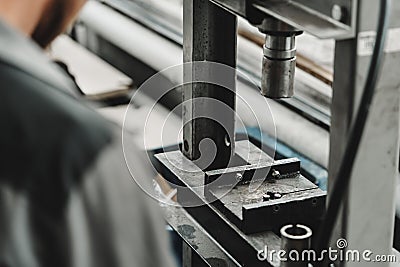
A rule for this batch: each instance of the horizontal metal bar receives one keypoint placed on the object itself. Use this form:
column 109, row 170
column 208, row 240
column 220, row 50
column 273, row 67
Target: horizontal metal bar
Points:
column 306, row 19
column 196, row 237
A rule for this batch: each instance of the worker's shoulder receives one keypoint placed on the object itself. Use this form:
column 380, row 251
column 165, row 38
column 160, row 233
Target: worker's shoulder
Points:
column 24, row 93
column 45, row 128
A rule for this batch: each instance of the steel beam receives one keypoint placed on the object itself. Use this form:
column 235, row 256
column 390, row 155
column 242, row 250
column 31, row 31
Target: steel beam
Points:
column 210, row 34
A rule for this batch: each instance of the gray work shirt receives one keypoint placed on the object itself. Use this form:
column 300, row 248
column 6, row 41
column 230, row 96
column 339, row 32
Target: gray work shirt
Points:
column 66, row 195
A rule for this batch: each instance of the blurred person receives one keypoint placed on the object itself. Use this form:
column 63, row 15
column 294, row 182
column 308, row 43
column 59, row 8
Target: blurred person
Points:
column 66, row 195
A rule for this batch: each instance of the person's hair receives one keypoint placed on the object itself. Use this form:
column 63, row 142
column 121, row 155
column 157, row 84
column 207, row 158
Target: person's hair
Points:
column 53, row 22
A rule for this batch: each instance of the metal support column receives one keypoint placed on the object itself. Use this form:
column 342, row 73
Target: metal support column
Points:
column 209, row 35
column 367, row 217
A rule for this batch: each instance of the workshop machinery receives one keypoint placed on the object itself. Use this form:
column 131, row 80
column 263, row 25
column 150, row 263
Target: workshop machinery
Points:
column 233, row 224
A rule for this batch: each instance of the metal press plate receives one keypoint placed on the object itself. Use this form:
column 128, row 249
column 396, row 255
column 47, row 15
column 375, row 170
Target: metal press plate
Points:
column 217, row 221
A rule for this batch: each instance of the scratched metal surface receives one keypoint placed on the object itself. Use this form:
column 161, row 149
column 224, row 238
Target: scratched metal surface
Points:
column 196, row 237
column 241, row 195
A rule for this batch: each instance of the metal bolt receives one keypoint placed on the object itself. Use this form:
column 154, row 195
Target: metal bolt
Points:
column 277, row 196
column 227, row 142
column 314, row 202
column 266, row 197
column 337, row 12
column 276, row 208
column 276, row 174
column 239, row 176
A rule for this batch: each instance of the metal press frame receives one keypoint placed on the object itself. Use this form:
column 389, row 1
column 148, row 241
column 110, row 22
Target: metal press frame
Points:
column 367, row 217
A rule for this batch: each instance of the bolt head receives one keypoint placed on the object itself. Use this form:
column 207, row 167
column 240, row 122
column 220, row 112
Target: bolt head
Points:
column 275, row 173
column 337, row 12
column 266, row 197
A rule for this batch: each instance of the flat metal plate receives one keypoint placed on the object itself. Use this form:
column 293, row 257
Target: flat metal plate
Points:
column 248, row 210
column 306, row 19
column 313, row 16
